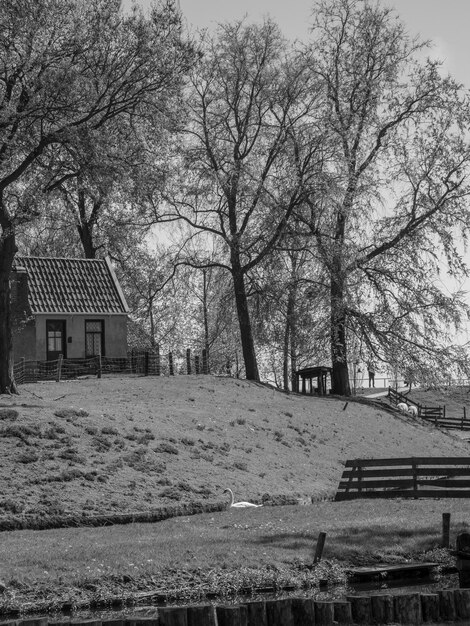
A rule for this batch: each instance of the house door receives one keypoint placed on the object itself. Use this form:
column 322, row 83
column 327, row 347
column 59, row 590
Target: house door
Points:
column 55, row 332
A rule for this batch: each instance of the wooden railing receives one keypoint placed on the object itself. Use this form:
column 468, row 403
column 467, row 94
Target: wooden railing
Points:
column 435, row 414
column 412, row 477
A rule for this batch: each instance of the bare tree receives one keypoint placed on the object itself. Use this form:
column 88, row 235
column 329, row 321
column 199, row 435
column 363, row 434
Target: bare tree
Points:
column 243, row 169
column 398, row 192
column 66, row 74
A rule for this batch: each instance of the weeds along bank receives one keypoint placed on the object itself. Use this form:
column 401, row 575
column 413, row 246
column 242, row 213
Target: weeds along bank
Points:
column 130, row 445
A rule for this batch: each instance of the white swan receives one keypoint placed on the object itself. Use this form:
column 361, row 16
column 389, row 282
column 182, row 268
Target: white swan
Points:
column 239, row 505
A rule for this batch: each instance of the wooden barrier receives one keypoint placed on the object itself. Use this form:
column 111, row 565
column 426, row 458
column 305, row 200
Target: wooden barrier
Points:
column 410, row 608
column 413, row 477
column 435, row 414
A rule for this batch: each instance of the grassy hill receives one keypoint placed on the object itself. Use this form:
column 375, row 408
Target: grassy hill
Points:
column 123, row 444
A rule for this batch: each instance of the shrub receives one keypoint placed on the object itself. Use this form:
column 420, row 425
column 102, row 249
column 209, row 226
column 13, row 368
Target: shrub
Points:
column 21, row 431
column 140, row 462
column 9, row 506
column 241, row 421
column 53, row 431
column 101, row 443
column 8, row 414
column 167, row 447
column 187, row 441
column 173, row 493
column 71, row 454
column 109, row 430
column 91, row 430
column 240, row 465
column 29, row 456
column 70, row 413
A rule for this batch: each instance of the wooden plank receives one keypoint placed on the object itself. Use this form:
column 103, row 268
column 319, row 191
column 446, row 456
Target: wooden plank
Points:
column 446, row 472
column 449, row 483
column 426, row 460
column 386, row 483
column 422, row 493
column 396, row 569
column 377, row 462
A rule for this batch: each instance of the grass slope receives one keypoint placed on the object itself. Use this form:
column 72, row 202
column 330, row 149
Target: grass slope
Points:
column 132, row 444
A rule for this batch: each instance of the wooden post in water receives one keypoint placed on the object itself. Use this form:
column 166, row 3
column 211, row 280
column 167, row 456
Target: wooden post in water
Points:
column 198, row 615
column 170, row 363
column 382, row 609
column 462, row 603
column 320, row 546
column 342, row 612
column 361, row 608
column 324, row 613
column 430, row 607
column 407, row 608
column 188, row 361
column 462, row 545
column 445, row 530
column 232, row 616
column 256, row 613
column 303, row 611
column 279, row 612
column 447, row 605
column 174, row 616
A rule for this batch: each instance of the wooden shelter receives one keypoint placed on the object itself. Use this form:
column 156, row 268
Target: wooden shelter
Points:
column 307, row 374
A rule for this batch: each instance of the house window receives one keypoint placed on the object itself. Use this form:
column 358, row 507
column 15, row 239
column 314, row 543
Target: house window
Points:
column 94, row 337
column 55, row 331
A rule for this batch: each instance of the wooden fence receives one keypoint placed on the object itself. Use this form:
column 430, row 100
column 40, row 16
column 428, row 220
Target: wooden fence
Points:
column 435, row 414
column 142, row 363
column 413, row 477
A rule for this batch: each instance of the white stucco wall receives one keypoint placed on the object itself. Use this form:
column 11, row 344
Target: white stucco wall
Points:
column 115, row 334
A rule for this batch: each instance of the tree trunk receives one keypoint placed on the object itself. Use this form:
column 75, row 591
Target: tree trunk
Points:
column 206, row 318
column 85, row 226
column 289, row 336
column 246, row 333
column 285, row 356
column 340, row 374
column 7, row 254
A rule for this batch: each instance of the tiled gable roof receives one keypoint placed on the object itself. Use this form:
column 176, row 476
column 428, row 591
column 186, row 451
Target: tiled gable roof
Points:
column 72, row 286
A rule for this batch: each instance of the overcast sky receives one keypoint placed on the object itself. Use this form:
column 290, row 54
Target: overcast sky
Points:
column 445, row 22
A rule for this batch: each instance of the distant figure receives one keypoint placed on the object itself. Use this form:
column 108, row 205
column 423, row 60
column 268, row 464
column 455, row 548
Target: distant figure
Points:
column 371, row 370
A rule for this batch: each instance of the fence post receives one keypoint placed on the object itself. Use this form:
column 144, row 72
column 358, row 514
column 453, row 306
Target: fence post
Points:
column 99, row 367
column 188, row 360
column 445, row 530
column 59, row 367
column 320, row 546
column 415, row 476
column 146, row 363
column 196, row 363
column 204, row 362
column 170, row 363
column 157, row 351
